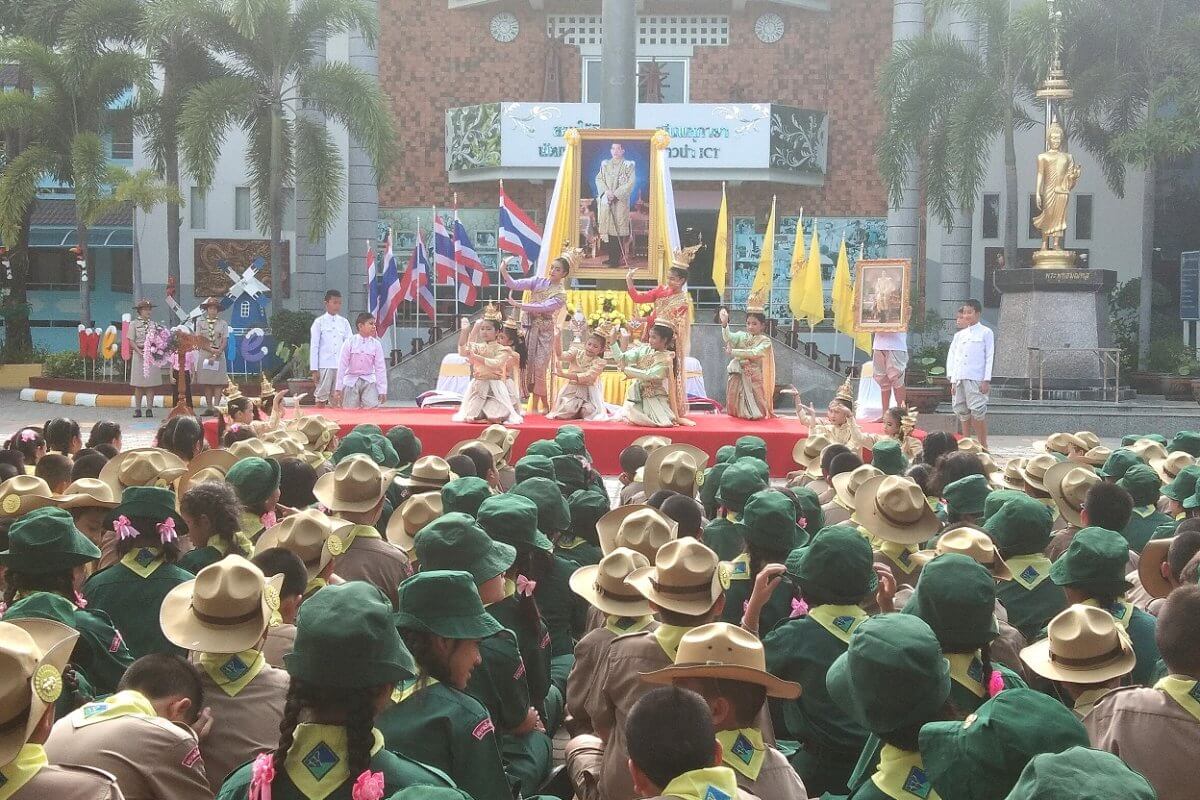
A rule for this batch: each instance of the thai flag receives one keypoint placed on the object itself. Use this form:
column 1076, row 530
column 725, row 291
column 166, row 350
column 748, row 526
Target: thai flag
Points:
column 443, row 252
column 518, row 233
column 415, row 285
column 375, row 290
column 471, row 274
column 391, row 290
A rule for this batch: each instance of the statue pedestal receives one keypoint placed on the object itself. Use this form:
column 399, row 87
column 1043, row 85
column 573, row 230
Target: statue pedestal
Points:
column 1052, row 308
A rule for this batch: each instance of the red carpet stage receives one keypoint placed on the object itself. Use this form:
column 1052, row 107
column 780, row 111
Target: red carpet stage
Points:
column 605, row 439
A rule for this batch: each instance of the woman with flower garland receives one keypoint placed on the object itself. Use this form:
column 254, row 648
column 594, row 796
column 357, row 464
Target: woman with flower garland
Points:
column 143, row 377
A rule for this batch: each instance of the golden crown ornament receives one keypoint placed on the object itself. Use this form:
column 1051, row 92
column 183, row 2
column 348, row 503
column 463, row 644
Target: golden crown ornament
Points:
column 682, row 259
column 573, row 256
column 756, row 303
column 844, row 392
column 491, row 312
column 511, row 322
column 231, row 391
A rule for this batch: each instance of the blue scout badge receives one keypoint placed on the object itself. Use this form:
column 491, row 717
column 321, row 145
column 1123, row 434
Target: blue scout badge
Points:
column 320, row 760
column 917, row 783
column 743, row 749
column 234, row 668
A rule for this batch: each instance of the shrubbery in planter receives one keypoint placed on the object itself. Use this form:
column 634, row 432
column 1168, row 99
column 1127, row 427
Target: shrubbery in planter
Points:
column 68, row 364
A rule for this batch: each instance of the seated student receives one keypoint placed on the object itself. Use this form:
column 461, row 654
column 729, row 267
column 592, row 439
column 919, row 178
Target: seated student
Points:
column 769, row 525
column 222, row 617
column 55, row 470
column 89, row 500
column 840, row 510
column 1104, row 505
column 673, row 750
column 887, row 457
column 891, row 680
column 1068, row 485
column 354, row 492
column 724, row 534
column 88, row 465
column 405, row 443
column 1085, row 655
column 1020, row 527
column 936, row 445
column 431, row 717
column 1080, row 773
column 147, row 529
column 1157, row 731
column 893, row 512
column 964, row 499
column 461, row 465
column 1033, row 475
column 833, row 576
column 632, row 459
column 482, row 463
column 141, row 734
column 621, row 610
column 463, row 494
column 281, row 636
column 296, row 482
column 1092, row 571
column 348, row 660
column 314, row 538
column 685, row 590
column 981, row 758
column 580, row 543
column 1177, row 490
column 1143, row 485
column 105, row 432
column 213, row 515
column 33, row 655
column 726, row 666
column 807, row 455
column 1160, row 567
column 256, row 481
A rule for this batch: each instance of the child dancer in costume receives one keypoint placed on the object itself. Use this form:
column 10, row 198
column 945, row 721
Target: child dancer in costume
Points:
column 751, row 386
column 510, row 336
column 650, row 401
column 489, row 397
column 582, row 365
column 543, row 315
column 839, row 425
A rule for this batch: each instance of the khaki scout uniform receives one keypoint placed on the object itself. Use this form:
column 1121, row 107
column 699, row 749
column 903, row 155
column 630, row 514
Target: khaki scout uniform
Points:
column 151, row 758
column 589, row 653
column 369, row 558
column 246, row 710
column 30, row 777
column 280, row 641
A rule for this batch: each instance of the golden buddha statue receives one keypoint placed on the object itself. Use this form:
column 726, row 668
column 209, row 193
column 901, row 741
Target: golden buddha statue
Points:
column 1056, row 177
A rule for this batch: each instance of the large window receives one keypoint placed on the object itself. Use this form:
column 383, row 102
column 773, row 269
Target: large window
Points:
column 1083, row 216
column 991, row 216
column 120, row 125
column 242, row 212
column 660, row 80
column 52, row 268
column 122, row 269
column 198, row 209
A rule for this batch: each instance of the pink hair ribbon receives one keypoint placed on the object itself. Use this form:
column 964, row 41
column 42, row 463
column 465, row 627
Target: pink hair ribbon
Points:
column 262, row 775
column 124, row 529
column 166, row 530
column 525, row 586
column 28, row 435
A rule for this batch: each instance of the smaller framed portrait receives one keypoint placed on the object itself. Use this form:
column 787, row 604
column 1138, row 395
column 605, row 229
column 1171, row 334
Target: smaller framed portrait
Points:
column 881, row 295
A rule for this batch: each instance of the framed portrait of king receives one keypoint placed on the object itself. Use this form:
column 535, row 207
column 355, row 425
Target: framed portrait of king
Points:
column 881, row 295
column 618, row 223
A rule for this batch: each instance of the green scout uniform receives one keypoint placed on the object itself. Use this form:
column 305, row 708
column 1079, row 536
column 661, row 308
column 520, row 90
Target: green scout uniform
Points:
column 769, row 525
column 837, row 565
column 709, row 486
column 465, row 495
column 581, row 543
column 1080, row 773
column 888, row 458
column 1020, row 527
column 255, row 480
column 216, row 549
column 1143, row 485
column 1143, row 526
column 726, row 536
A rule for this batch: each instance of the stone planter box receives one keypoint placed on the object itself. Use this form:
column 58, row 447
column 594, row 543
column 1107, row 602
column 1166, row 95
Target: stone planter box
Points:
column 16, row 376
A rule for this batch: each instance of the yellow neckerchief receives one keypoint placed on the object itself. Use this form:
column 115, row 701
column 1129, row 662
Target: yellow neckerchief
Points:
column 899, row 554
column 318, row 760
column 711, row 783
column 360, row 532
column 510, row 589
column 739, row 568
column 240, row 540
column 570, row 542
column 743, row 751
column 668, row 637
column 1182, row 690
column 1030, row 570
column 405, row 690
column 1144, row 511
column 1122, row 610
column 901, row 775
column 623, row 625
column 966, row 669
column 142, row 561
column 21, row 770
column 732, row 516
column 252, row 524
column 233, row 672
column 1049, row 503
column 1083, row 704
column 122, row 704
column 314, row 585
column 838, row 620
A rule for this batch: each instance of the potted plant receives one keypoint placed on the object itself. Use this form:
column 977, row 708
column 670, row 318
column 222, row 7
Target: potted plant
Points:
column 291, row 331
column 923, row 391
column 1179, row 385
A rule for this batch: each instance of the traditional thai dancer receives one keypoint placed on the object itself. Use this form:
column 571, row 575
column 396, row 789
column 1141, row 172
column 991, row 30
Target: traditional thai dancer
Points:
column 582, row 397
column 839, row 424
column 751, row 386
column 672, row 303
column 510, row 336
column 649, row 400
column 488, row 397
column 543, row 321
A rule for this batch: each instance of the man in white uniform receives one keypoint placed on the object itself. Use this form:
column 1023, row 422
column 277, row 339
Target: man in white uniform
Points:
column 329, row 332
column 969, row 369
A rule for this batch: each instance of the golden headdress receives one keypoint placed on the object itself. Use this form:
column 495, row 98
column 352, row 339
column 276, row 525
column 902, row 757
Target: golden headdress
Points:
column 573, row 256
column 682, row 259
column 908, row 422
column 661, row 322
column 491, row 312
column 231, row 390
column 511, row 322
column 844, row 392
column 607, row 329
column 265, row 387
column 757, row 302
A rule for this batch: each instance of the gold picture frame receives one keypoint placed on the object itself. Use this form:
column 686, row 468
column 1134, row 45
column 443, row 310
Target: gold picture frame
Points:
column 889, row 277
column 641, row 250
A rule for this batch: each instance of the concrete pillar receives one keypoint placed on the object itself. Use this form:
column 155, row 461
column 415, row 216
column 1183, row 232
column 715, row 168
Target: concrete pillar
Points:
column 618, row 64
column 363, row 196
column 308, row 273
column 956, row 243
column 904, row 221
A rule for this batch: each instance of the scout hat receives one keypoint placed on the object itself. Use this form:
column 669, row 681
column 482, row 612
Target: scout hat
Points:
column 887, row 457
column 769, row 523
column 463, row 494
column 1153, row 556
column 725, row 652
column 1148, row 449
column 254, row 479
column 966, row 495
column 1033, row 472
column 1060, row 443
column 1095, row 557
column 726, row 453
column 570, row 439
column 1169, row 468
column 650, row 443
column 1083, row 644
column 752, row 446
column 311, row 535
column 677, row 467
column 893, row 508
column 1094, row 457
column 502, row 438
column 1080, row 773
column 415, row 513
column 1117, row 463
column 957, row 598
column 144, row 466
column 981, row 757
column 356, row 484
column 587, row 507
column 975, row 545
column 638, row 527
column 346, row 638
column 553, row 514
column 209, row 465
column 1186, row 442
column 1142, row 483
column 253, row 448
column 570, row 473
column 46, row 541
column 534, row 467
column 21, row 494
column 491, row 447
column 1021, row 526
column 808, row 450
column 604, row 587
column 838, row 564
column 709, row 486
column 317, row 435
column 997, row 499
column 513, row 519
column 1068, row 483
column 885, row 653
column 226, row 608
column 1013, row 476
column 87, row 493
column 429, row 472
column 738, row 482
column 1088, row 438
column 686, row 578
column 455, row 541
column 544, row 447
column 847, row 484
column 1192, row 501
column 33, row 655
column 142, row 303
column 968, row 444
column 373, row 445
column 153, row 502
column 444, row 603
column 210, row 301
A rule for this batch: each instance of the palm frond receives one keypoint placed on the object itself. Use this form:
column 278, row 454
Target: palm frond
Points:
column 43, row 65
column 330, row 17
column 258, row 162
column 319, row 173
column 207, row 113
column 19, row 185
column 89, row 169
column 350, row 96
column 21, row 111
column 245, row 14
column 92, row 25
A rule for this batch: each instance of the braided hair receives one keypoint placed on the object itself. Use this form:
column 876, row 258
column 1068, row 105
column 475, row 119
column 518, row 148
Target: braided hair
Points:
column 148, row 536
column 355, row 706
column 19, row 583
column 533, row 564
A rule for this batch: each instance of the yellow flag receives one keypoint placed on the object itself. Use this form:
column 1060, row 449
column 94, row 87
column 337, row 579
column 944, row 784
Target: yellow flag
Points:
column 766, row 259
column 843, row 302
column 796, row 272
column 812, row 290
column 721, row 247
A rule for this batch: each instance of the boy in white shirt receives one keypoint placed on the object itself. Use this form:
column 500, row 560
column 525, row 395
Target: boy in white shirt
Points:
column 969, row 369
column 326, row 337
column 362, row 368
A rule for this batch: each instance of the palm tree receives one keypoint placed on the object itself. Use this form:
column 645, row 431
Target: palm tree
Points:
column 142, row 191
column 272, row 54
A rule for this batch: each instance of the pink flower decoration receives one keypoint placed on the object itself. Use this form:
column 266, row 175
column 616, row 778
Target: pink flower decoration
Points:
column 124, row 529
column 80, row 600
column 235, row 427
column 995, row 683
column 368, row 786
column 28, row 435
column 525, row 586
column 802, row 522
column 166, row 530
column 799, row 608
column 268, row 519
column 262, row 775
